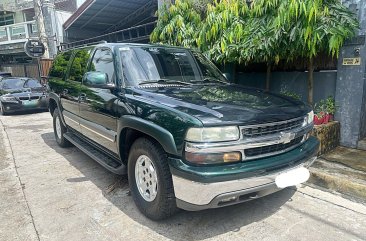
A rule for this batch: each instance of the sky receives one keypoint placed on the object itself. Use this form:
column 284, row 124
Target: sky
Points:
column 79, row 2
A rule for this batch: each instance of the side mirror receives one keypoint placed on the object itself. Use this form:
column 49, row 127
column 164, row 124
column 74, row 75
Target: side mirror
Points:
column 97, row 80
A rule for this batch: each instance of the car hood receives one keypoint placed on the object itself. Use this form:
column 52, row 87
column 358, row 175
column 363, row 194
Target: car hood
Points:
column 228, row 103
column 22, row 91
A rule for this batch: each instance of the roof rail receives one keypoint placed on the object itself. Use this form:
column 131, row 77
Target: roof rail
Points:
column 78, row 44
column 133, row 34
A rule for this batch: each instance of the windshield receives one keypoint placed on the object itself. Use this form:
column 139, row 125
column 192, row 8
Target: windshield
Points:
column 149, row 64
column 32, row 83
column 12, row 84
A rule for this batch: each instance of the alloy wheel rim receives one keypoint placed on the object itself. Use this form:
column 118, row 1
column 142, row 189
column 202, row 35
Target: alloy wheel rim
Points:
column 58, row 127
column 146, row 178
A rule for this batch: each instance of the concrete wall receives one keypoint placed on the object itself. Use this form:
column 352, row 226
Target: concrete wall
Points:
column 324, row 83
column 351, row 83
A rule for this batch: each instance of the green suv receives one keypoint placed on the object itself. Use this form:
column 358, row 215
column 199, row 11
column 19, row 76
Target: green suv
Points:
column 170, row 120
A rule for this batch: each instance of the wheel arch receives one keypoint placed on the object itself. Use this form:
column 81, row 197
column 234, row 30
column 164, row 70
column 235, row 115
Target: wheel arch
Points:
column 53, row 103
column 131, row 128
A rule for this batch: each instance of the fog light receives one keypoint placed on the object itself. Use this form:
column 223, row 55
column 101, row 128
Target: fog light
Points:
column 213, row 158
column 227, row 200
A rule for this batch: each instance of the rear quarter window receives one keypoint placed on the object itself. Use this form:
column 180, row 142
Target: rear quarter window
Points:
column 59, row 66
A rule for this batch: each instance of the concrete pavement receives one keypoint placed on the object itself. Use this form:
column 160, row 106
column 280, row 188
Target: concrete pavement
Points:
column 50, row 193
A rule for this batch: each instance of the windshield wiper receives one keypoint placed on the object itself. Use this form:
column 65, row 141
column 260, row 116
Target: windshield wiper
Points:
column 163, row 81
column 207, row 80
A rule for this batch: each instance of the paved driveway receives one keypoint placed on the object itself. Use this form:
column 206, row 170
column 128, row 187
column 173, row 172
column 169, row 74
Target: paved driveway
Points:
column 50, row 193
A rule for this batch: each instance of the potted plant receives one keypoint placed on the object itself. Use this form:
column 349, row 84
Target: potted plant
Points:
column 320, row 113
column 330, row 107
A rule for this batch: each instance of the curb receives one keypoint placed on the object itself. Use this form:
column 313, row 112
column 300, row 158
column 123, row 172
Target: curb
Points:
column 351, row 190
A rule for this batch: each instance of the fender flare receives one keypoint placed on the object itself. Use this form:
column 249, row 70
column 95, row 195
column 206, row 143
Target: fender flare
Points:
column 160, row 134
column 56, row 98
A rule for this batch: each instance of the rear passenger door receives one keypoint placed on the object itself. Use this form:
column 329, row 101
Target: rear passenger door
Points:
column 72, row 88
column 98, row 102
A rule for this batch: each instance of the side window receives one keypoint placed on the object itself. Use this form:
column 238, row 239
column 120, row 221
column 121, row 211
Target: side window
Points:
column 59, row 66
column 103, row 62
column 79, row 64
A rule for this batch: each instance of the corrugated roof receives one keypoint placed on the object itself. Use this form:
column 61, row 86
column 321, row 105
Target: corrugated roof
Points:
column 109, row 15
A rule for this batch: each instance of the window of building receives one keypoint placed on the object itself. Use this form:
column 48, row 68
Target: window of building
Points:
column 6, row 19
column 19, row 30
column 3, row 34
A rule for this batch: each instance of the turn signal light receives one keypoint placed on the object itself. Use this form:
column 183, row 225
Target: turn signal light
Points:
column 213, row 158
column 232, row 157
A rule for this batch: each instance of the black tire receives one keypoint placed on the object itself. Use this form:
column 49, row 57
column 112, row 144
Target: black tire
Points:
column 61, row 141
column 2, row 111
column 164, row 204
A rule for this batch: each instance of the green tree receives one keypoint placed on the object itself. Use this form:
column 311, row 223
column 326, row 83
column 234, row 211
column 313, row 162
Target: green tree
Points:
column 315, row 26
column 263, row 31
column 178, row 24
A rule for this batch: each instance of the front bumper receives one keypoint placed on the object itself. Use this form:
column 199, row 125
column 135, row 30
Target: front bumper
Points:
column 198, row 188
column 41, row 103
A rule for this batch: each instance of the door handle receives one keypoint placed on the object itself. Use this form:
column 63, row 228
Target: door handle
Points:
column 82, row 97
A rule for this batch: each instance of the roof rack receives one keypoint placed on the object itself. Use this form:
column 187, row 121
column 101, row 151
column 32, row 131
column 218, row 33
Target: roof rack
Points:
column 133, row 34
column 78, row 44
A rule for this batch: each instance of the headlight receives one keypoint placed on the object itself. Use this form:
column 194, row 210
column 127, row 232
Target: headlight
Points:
column 310, row 117
column 213, row 134
column 8, row 99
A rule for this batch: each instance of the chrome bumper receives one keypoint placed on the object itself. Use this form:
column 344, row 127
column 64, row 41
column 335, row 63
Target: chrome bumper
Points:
column 196, row 196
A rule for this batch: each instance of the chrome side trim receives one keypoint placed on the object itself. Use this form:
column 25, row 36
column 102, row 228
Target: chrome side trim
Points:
column 203, row 193
column 97, row 133
column 71, row 119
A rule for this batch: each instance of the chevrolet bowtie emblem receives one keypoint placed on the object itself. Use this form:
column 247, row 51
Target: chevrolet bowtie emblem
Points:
column 286, row 137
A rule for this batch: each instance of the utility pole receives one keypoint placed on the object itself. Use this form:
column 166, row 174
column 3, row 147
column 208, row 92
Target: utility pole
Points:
column 40, row 23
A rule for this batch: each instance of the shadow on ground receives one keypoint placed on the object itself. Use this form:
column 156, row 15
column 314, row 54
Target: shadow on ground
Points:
column 26, row 112
column 184, row 225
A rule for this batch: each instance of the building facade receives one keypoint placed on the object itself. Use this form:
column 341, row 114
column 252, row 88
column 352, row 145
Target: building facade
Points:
column 18, row 23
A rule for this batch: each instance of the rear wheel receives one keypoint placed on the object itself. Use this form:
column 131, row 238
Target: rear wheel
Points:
column 150, row 180
column 59, row 129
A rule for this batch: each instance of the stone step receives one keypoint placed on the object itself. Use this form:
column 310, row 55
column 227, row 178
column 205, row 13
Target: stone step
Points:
column 362, row 145
column 337, row 177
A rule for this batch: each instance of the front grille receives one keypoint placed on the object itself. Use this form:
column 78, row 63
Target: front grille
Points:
column 29, row 98
column 272, row 148
column 271, row 128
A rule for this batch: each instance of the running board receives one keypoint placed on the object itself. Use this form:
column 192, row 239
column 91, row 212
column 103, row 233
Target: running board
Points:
column 105, row 160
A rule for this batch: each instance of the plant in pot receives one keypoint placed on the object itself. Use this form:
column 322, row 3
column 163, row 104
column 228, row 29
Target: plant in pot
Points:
column 320, row 113
column 330, row 108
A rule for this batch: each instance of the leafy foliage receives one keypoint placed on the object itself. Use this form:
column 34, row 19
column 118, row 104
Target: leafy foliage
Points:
column 59, row 65
column 261, row 31
column 178, row 25
column 264, row 31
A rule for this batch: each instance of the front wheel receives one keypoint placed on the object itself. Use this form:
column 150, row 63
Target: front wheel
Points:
column 2, row 111
column 150, row 180
column 59, row 129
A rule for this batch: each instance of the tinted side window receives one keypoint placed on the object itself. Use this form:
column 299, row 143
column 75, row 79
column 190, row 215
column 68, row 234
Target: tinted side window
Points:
column 59, row 66
column 103, row 62
column 79, row 64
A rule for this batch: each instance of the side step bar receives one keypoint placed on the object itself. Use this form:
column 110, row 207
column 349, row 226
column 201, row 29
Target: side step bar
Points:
column 105, row 160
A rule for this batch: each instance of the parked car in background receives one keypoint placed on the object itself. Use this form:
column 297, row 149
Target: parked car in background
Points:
column 4, row 75
column 184, row 135
column 19, row 94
